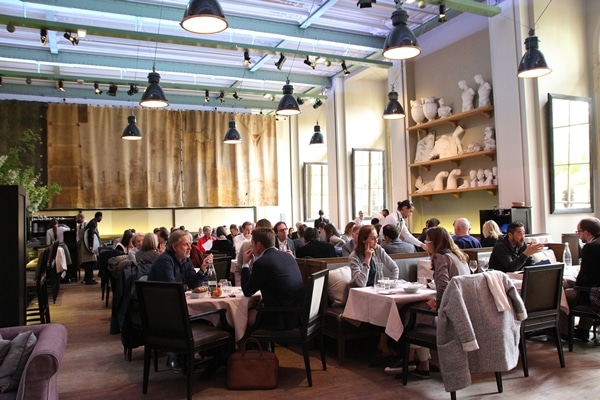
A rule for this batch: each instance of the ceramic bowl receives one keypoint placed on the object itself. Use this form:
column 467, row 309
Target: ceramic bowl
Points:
column 412, row 288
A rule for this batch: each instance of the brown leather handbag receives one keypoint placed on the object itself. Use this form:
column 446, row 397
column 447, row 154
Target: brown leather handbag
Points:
column 252, row 369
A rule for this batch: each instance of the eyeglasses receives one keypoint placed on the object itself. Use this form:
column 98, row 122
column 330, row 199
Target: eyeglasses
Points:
column 282, row 230
column 578, row 232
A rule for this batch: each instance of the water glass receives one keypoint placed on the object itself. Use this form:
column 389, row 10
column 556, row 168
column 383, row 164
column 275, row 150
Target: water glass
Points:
column 205, row 285
column 473, row 266
column 226, row 286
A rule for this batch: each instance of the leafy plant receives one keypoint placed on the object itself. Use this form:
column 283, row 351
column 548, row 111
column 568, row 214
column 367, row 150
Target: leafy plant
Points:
column 13, row 172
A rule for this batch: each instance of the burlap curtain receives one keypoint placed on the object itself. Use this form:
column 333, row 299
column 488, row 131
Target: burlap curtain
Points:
column 180, row 162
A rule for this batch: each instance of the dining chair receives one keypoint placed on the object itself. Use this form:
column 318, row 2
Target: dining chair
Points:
column 541, row 292
column 52, row 277
column 582, row 309
column 310, row 321
column 168, row 327
column 222, row 266
column 38, row 288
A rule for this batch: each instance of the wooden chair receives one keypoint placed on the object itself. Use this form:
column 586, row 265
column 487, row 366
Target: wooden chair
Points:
column 310, row 321
column 39, row 311
column 582, row 309
column 52, row 277
column 541, row 292
column 167, row 326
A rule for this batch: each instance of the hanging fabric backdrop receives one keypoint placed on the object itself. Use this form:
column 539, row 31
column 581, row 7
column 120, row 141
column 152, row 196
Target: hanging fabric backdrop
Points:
column 180, row 162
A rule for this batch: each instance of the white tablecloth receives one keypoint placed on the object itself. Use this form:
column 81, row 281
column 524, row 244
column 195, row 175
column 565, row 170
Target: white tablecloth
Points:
column 366, row 305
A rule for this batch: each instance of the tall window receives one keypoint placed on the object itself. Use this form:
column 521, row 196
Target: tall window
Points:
column 368, row 177
column 315, row 189
column 570, row 161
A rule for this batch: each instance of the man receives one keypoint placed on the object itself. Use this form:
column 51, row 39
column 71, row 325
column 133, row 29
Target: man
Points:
column 359, row 220
column 81, row 225
column 510, row 252
column 321, row 219
column 137, row 240
column 462, row 237
column 233, row 232
column 89, row 253
column 588, row 230
column 282, row 241
column 276, row 275
column 392, row 244
column 174, row 264
column 244, row 247
column 313, row 247
column 245, row 236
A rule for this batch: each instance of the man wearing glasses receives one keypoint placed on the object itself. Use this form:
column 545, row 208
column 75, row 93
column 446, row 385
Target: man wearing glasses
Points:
column 282, row 241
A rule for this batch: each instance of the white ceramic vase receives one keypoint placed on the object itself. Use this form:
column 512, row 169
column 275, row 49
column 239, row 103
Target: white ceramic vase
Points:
column 430, row 108
column 416, row 111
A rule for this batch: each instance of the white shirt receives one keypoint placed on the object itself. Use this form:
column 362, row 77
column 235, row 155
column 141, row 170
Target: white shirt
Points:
column 60, row 237
column 395, row 219
column 237, row 242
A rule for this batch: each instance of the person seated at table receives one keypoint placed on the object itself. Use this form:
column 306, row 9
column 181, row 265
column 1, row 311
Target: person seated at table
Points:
column 147, row 254
column 491, row 232
column 462, row 236
column 510, row 252
column 430, row 223
column 313, row 247
column 588, row 231
column 391, row 242
column 221, row 245
column 205, row 241
column 276, row 274
column 348, row 247
column 365, row 258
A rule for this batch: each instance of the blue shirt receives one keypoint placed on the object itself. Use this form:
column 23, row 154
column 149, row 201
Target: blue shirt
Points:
column 466, row 242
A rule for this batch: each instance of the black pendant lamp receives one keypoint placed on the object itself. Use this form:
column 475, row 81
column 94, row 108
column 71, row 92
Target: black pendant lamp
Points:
column 232, row 136
column 401, row 42
column 394, row 109
column 533, row 64
column 317, row 137
column 204, row 16
column 131, row 131
column 153, row 96
column 288, row 104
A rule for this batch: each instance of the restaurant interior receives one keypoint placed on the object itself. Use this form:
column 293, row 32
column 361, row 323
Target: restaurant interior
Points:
column 291, row 108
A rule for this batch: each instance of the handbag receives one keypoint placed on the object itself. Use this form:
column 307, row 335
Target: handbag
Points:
column 252, row 369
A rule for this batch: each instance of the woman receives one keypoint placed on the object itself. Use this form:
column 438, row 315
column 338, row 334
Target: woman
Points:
column 348, row 247
column 491, row 233
column 125, row 243
column 331, row 236
column 404, row 210
column 148, row 253
column 347, row 236
column 203, row 240
column 366, row 256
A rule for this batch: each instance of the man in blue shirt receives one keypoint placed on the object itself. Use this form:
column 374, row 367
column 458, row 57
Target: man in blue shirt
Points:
column 462, row 238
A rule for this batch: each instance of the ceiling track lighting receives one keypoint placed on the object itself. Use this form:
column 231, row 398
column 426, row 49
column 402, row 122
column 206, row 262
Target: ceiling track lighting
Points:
column 97, row 88
column 74, row 40
column 300, row 100
column 237, row 96
column 533, row 64
column 131, row 131
column 11, row 28
column 318, row 103
column 222, row 97
column 247, row 59
column 153, row 96
column 327, row 63
column 269, row 96
column 112, row 90
column 206, row 96
column 280, row 62
column 28, row 80
column 204, row 16
column 310, row 63
column 61, row 86
column 43, row 36
column 232, row 136
column 401, row 42
column 442, row 14
column 394, row 109
column 317, row 139
column 0, row 81
column 344, row 69
column 365, row 3
column 288, row 104
column 133, row 89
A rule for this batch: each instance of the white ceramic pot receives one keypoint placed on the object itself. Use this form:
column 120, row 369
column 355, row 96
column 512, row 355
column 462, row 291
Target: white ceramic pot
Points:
column 416, row 111
column 430, row 108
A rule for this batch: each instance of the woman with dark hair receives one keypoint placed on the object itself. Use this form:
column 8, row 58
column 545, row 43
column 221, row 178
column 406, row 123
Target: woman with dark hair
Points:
column 365, row 258
column 125, row 243
column 404, row 210
column 331, row 236
column 347, row 236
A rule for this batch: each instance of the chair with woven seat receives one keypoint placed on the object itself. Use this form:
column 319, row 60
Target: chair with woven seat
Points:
column 541, row 292
column 310, row 321
column 167, row 326
column 582, row 309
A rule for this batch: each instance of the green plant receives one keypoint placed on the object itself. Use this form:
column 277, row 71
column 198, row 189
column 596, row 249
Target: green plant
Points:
column 13, row 172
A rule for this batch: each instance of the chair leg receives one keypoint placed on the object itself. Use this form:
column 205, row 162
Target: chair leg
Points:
column 307, row 363
column 571, row 331
column 322, row 347
column 190, row 373
column 405, row 354
column 523, row 351
column 561, row 355
column 499, row 382
column 341, row 351
column 453, row 395
column 147, row 356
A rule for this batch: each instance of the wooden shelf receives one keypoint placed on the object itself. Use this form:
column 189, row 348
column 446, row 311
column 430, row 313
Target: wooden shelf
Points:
column 453, row 119
column 457, row 192
column 490, row 154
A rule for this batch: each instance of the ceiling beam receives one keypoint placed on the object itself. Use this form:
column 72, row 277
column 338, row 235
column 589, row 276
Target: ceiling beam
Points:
column 318, row 13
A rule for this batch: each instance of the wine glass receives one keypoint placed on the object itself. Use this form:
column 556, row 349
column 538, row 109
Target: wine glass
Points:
column 226, row 286
column 473, row 266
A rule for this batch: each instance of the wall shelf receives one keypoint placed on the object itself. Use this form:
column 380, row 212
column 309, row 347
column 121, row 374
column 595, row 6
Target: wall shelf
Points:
column 489, row 154
column 491, row 190
column 453, row 119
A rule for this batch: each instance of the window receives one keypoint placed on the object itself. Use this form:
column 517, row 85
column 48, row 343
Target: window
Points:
column 368, row 181
column 315, row 189
column 570, row 160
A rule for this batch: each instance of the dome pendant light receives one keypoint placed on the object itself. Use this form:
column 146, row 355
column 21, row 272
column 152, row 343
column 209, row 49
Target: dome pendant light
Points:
column 394, row 109
column 204, row 16
column 153, row 96
column 232, row 136
column 533, row 64
column 317, row 139
column 401, row 42
column 288, row 104
column 131, row 131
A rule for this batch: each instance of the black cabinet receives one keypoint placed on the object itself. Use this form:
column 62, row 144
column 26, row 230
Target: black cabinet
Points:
column 504, row 217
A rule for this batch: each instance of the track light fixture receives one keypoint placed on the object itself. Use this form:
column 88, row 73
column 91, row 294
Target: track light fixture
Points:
column 317, row 137
column 327, row 63
column 236, row 96
column 269, row 96
column 232, row 136
column 43, row 36
column 533, row 64
column 222, row 97
column 28, row 80
column 365, row 3
column 133, row 89
column 394, row 109
column 401, row 42
column 0, row 81
column 206, row 96
column 300, row 100
column 310, row 63
column 318, row 103
column 204, row 16
column 11, row 28
column 344, row 69
column 442, row 13
column 97, row 88
column 112, row 90
column 280, row 62
column 288, row 104
column 247, row 59
column 74, row 40
column 61, row 86
column 131, row 131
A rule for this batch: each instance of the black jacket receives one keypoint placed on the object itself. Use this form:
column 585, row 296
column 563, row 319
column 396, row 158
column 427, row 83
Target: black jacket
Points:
column 316, row 249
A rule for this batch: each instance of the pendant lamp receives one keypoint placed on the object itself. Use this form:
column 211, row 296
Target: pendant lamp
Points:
column 533, row 64
column 394, row 109
column 401, row 42
column 288, row 104
column 204, row 16
column 317, row 137
column 232, row 136
column 153, row 96
column 131, row 131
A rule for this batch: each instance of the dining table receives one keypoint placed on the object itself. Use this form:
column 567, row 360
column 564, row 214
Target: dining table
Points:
column 237, row 305
column 370, row 304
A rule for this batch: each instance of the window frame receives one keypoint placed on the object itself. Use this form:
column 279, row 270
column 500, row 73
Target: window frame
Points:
column 355, row 207
column 324, row 195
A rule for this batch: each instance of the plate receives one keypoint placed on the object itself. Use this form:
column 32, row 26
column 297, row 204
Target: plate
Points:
column 219, row 297
column 386, row 292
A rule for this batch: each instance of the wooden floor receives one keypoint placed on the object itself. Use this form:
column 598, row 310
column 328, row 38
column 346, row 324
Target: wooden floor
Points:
column 94, row 368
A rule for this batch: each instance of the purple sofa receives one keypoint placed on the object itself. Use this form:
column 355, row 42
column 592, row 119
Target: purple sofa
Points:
column 39, row 380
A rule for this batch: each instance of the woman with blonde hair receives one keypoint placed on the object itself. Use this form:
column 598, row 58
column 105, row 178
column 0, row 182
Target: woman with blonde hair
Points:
column 491, row 232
